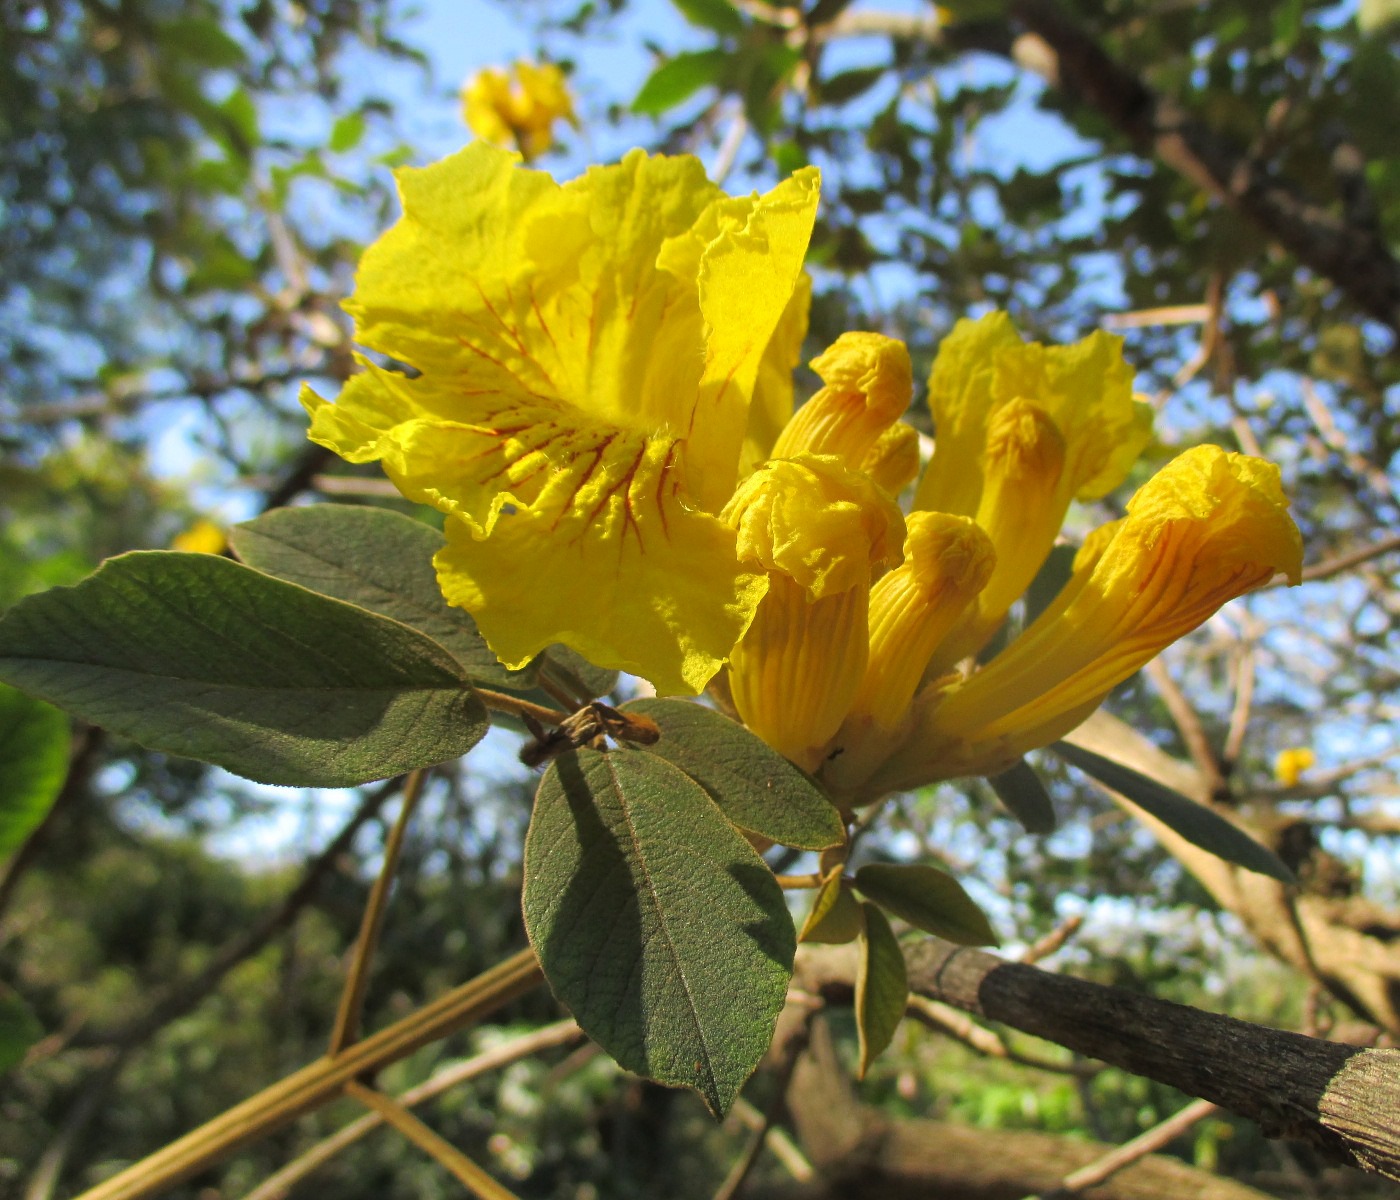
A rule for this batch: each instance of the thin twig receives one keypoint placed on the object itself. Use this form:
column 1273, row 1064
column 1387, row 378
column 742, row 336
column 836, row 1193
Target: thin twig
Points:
column 278, row 1185
column 1130, row 1152
column 959, row 1026
column 500, row 702
column 88, row 1103
column 1244, row 696
column 433, row 1144
column 322, row 1081
column 1353, row 558
column 734, row 1181
column 728, row 151
column 1052, row 941
column 352, row 996
column 779, row 1144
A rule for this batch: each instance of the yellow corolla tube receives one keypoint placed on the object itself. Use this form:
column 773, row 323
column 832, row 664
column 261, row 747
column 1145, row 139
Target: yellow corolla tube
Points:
column 582, row 364
column 818, row 530
column 1208, row 527
column 1021, row 430
column 947, row 562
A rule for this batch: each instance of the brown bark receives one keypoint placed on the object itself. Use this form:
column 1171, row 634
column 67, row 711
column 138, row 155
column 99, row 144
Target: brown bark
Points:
column 861, row 1152
column 1343, row 1100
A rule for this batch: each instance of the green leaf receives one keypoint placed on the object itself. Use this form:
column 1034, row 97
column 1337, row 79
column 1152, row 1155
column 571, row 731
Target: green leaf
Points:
column 379, row 560
column 199, row 40
column 568, row 668
column 882, row 987
column 655, row 921
column 1049, row 581
column 836, row 917
column 1025, row 797
column 1196, row 823
column 346, row 133
column 755, row 786
column 847, row 85
column 719, row 15
column 33, row 764
column 679, row 78
column 929, row 899
column 195, row 655
column 19, row 1029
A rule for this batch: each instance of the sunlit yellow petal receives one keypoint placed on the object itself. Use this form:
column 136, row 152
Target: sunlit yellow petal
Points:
column 518, row 109
column 960, row 399
column 947, row 561
column 772, row 392
column 1085, row 389
column 583, row 360
column 1205, row 529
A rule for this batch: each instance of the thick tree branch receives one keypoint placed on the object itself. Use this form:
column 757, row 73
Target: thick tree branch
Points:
column 1341, row 1099
column 1352, row 256
column 860, row 1151
column 1043, row 39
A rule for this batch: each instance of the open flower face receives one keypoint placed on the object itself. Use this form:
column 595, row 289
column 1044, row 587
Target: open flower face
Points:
column 583, row 367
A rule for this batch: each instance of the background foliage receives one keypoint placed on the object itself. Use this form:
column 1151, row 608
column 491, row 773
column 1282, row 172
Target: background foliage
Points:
column 185, row 188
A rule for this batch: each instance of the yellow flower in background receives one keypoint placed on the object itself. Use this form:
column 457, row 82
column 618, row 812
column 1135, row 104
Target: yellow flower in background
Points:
column 1291, row 763
column 518, row 109
column 203, row 537
column 586, row 361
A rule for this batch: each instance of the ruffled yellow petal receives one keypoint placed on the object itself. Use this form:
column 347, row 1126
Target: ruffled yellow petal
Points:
column 817, row 528
column 1208, row 527
column 816, row 521
column 947, row 562
column 772, row 392
column 1085, row 389
column 960, row 399
column 869, row 382
column 575, row 395
column 1291, row 763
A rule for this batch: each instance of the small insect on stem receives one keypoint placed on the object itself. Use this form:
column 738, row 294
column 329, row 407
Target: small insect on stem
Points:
column 586, row 727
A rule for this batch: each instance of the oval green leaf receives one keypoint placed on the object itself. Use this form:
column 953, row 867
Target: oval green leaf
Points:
column 1196, row 823
column 679, row 78
column 929, row 899
column 1025, row 797
column 377, row 559
column 195, row 655
column 33, row 764
column 655, row 921
column 835, row 918
column 755, row 786
column 882, row 987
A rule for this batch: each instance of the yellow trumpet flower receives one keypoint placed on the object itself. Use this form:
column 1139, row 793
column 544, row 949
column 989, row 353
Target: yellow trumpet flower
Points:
column 593, row 382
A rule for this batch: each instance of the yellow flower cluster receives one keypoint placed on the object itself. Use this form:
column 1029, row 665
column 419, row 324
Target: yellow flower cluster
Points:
column 600, row 403
column 518, row 108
